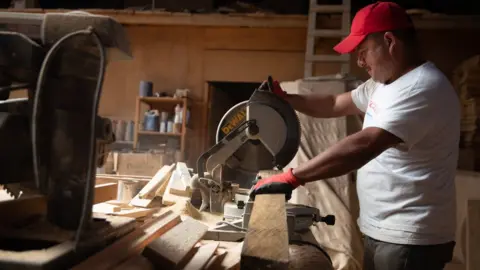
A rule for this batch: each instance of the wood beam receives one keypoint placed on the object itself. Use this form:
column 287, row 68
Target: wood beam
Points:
column 266, row 241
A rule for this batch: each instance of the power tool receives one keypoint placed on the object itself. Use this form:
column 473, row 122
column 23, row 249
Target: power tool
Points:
column 263, row 137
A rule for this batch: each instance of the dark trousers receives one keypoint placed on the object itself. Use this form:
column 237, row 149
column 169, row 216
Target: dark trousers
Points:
column 386, row 256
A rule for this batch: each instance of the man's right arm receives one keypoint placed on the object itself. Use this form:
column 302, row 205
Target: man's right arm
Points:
column 324, row 106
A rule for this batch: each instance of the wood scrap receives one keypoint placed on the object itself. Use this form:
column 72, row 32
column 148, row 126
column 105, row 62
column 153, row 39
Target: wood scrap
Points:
column 172, row 249
column 105, row 192
column 161, row 190
column 106, row 208
column 173, row 193
column 266, row 241
column 201, row 257
column 136, row 263
column 136, row 212
column 148, row 193
column 132, row 244
column 123, row 176
column 177, row 186
column 184, row 173
column 229, row 260
column 124, row 210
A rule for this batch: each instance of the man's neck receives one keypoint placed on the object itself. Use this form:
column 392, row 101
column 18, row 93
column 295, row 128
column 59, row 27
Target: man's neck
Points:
column 406, row 67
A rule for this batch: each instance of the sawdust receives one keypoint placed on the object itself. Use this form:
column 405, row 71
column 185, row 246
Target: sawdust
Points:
column 190, row 210
column 185, row 208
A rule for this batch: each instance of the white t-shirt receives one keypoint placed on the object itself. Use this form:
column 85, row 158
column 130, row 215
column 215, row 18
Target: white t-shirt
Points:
column 407, row 193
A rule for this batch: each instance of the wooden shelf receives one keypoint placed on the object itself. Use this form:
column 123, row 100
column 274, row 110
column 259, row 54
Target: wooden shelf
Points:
column 152, row 100
column 144, row 132
column 123, row 142
column 157, row 103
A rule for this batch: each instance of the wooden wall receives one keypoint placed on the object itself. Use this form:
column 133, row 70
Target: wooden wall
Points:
column 188, row 56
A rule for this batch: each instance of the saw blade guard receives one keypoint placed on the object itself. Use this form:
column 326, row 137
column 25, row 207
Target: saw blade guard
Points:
column 267, row 132
column 278, row 126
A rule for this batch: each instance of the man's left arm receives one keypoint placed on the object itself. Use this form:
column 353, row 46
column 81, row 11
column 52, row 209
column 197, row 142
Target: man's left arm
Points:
column 348, row 155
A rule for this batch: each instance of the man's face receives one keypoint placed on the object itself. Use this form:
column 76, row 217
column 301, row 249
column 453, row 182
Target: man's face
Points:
column 373, row 54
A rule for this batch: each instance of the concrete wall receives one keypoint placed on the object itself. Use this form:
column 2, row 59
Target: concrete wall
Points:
column 187, row 57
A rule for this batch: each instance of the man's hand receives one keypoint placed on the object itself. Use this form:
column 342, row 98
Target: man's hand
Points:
column 281, row 183
column 277, row 89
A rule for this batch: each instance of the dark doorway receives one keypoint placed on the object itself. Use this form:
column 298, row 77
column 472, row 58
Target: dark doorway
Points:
column 223, row 96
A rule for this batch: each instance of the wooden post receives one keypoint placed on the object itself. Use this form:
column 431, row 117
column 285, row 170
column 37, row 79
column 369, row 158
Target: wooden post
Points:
column 266, row 241
column 473, row 234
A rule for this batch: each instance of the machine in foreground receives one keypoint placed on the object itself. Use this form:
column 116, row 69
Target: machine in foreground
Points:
column 52, row 140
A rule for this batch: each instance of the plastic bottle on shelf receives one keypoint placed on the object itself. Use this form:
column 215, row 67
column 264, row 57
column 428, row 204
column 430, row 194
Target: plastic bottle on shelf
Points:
column 177, row 121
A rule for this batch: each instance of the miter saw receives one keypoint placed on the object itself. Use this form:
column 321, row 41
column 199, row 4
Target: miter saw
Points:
column 256, row 137
column 263, row 134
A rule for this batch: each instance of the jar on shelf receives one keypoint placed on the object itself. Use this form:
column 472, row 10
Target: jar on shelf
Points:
column 151, row 121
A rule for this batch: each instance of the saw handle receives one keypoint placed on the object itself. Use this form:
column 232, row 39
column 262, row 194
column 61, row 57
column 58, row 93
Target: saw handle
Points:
column 267, row 85
column 270, row 83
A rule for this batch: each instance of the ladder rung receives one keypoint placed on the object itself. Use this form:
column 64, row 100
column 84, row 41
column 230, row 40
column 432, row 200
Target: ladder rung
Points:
column 329, row 8
column 328, row 33
column 328, row 58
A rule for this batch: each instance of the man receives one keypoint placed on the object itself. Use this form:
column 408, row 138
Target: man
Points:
column 406, row 153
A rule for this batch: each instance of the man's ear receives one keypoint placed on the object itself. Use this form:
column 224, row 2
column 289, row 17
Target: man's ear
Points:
column 389, row 40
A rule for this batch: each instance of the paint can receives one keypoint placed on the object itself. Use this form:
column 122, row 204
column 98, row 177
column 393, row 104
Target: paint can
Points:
column 146, row 89
column 127, row 190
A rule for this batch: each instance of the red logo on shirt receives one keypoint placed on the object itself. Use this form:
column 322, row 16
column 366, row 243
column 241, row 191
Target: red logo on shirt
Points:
column 373, row 106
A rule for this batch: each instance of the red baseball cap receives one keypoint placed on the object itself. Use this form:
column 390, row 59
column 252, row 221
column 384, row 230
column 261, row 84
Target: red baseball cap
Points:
column 377, row 17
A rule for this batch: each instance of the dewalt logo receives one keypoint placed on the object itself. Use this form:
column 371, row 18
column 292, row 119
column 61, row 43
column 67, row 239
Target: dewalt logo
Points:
column 234, row 121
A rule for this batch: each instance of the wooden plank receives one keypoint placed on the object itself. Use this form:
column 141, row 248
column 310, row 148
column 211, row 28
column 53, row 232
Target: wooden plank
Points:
column 131, row 17
column 172, row 195
column 105, row 192
column 473, row 234
column 266, row 241
column 255, row 39
column 106, row 208
column 136, row 212
column 184, row 173
column 176, row 186
column 229, row 260
column 139, row 163
column 31, row 206
column 130, row 245
column 201, row 257
column 136, row 263
column 145, row 197
column 173, row 248
column 218, row 65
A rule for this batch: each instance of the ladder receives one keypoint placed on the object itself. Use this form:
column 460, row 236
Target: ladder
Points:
column 313, row 32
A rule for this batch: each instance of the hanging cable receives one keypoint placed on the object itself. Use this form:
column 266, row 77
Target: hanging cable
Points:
column 88, row 198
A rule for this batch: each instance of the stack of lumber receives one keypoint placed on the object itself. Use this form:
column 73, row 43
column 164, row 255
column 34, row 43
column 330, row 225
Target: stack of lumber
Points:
column 168, row 237
column 170, row 241
column 170, row 185
column 466, row 80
